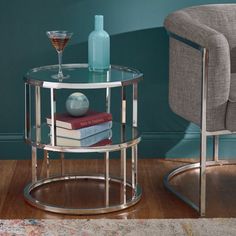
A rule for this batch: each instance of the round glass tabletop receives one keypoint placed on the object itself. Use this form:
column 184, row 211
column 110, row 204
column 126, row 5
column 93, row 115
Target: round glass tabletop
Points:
column 78, row 76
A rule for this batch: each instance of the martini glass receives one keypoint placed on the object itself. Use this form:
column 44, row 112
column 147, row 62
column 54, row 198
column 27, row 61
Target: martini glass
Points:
column 59, row 39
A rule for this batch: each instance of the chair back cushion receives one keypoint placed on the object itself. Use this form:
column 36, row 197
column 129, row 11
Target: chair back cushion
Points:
column 222, row 18
column 214, row 27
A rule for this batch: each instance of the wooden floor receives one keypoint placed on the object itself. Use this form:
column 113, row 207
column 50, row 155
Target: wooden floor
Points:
column 156, row 201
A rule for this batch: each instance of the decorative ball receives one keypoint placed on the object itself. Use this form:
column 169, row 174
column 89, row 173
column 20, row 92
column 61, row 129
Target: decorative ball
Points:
column 77, row 104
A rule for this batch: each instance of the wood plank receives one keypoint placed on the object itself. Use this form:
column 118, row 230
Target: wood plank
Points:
column 156, row 201
column 7, row 170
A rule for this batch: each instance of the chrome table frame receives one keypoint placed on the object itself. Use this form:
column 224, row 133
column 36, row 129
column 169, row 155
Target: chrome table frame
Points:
column 122, row 146
column 203, row 139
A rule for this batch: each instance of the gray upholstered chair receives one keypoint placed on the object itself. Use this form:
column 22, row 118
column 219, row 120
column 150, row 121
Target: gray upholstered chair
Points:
column 202, row 77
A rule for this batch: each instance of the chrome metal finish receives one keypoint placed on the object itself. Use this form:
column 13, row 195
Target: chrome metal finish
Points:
column 90, row 149
column 216, row 148
column 82, row 211
column 127, row 138
column 220, row 132
column 135, row 104
column 202, row 189
column 108, row 100
column 136, row 164
column 30, row 112
column 185, row 41
column 30, row 78
column 110, row 148
column 182, row 169
column 107, row 178
column 134, row 161
column 34, row 164
column 123, row 151
column 204, row 135
column 133, row 168
column 123, row 174
column 123, row 105
column 134, row 158
column 203, row 149
column 27, row 112
column 46, row 163
column 53, row 112
column 62, row 164
column 38, row 114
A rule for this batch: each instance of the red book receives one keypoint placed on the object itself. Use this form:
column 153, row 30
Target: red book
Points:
column 103, row 142
column 90, row 118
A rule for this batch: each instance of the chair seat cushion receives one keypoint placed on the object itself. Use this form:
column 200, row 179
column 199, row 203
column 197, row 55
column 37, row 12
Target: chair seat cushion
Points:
column 230, row 121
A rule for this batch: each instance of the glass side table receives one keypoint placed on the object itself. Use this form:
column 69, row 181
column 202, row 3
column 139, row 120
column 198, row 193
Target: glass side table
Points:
column 124, row 136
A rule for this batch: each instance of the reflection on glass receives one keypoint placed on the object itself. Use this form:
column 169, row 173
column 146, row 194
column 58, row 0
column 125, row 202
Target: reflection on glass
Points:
column 96, row 140
column 96, row 77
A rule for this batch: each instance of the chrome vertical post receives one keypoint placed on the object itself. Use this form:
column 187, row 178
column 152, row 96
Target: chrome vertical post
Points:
column 108, row 93
column 38, row 132
column 107, row 178
column 123, row 174
column 216, row 148
column 203, row 149
column 135, row 104
column 27, row 111
column 34, row 164
column 108, row 110
column 108, row 100
column 46, row 163
column 62, row 164
column 53, row 120
column 134, row 162
column 123, row 151
column 123, row 105
column 134, row 166
column 38, row 114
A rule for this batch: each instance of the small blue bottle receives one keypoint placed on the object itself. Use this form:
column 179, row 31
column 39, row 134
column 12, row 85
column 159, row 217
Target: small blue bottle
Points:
column 99, row 47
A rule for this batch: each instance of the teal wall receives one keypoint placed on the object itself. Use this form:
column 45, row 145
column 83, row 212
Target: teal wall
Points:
column 138, row 39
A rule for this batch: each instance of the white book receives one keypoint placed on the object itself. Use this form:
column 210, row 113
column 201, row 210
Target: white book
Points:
column 86, row 142
column 83, row 132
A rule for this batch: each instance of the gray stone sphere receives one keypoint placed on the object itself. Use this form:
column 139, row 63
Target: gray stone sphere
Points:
column 77, row 104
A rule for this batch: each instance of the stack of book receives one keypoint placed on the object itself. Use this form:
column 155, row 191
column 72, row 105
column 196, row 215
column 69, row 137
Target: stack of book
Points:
column 94, row 128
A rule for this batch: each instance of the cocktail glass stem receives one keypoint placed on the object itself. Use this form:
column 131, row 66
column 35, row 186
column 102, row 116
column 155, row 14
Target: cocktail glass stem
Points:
column 60, row 74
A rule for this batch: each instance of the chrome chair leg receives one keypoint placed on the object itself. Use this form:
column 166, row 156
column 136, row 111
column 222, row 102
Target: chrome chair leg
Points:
column 202, row 188
column 216, row 148
column 203, row 148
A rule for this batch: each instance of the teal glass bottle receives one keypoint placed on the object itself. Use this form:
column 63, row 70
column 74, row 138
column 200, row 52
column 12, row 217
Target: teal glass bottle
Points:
column 99, row 47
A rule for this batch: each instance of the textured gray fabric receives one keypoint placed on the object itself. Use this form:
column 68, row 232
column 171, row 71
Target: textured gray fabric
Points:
column 231, row 116
column 185, row 87
column 232, row 94
column 213, row 27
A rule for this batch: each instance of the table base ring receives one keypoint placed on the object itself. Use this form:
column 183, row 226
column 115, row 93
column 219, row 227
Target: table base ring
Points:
column 189, row 167
column 79, row 211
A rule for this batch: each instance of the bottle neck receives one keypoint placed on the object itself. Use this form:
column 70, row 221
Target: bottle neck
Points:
column 98, row 22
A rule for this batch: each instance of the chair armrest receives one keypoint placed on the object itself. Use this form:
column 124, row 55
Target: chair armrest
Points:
column 181, row 24
column 185, row 68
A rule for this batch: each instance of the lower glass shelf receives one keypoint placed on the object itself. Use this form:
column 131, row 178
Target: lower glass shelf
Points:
column 118, row 137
